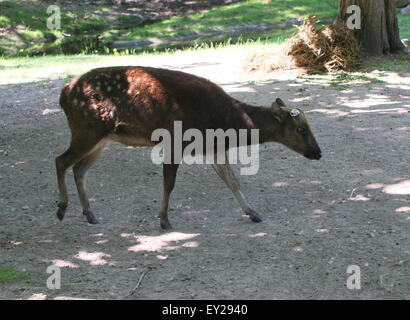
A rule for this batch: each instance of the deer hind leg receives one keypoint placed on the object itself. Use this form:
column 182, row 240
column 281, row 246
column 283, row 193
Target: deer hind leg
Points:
column 226, row 173
column 169, row 175
column 79, row 148
column 80, row 169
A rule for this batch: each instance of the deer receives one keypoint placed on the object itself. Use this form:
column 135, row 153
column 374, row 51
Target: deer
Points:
column 126, row 104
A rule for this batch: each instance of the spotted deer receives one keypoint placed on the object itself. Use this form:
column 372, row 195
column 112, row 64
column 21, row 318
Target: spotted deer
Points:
column 126, row 104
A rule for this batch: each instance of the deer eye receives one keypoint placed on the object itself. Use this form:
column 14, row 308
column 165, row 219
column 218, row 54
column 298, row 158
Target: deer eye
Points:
column 302, row 131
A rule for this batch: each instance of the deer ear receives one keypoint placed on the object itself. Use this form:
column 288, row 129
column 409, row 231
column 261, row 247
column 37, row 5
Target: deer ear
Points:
column 280, row 102
column 277, row 111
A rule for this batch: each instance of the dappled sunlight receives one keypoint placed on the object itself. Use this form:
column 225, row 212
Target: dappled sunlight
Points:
column 37, row 296
column 68, row 298
column 403, row 128
column 359, row 197
column 368, row 129
column 331, row 112
column 315, row 182
column 403, row 210
column 374, row 100
column 383, row 111
column 94, row 258
column 401, row 188
column 164, row 242
column 335, row 99
column 374, row 186
column 97, row 235
column 310, row 210
column 318, row 213
column 50, row 111
column 62, row 263
column 238, row 88
column 16, row 243
column 280, row 184
column 303, row 100
column 258, row 235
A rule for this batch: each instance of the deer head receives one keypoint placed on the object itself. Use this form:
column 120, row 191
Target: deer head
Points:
column 295, row 131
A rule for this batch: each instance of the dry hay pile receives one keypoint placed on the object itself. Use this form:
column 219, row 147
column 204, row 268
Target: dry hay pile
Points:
column 331, row 48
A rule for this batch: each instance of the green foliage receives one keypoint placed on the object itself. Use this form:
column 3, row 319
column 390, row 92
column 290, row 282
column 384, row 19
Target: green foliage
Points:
column 12, row 14
column 33, row 38
column 340, row 81
column 404, row 25
column 348, row 78
column 129, row 21
column 246, row 12
column 84, row 22
column 9, row 275
column 395, row 64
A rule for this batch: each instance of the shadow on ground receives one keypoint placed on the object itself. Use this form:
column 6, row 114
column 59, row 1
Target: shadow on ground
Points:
column 351, row 208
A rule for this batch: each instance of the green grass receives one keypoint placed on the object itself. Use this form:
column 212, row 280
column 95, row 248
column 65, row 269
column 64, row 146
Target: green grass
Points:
column 28, row 69
column 404, row 25
column 242, row 13
column 396, row 63
column 9, row 275
column 22, row 69
column 30, row 35
column 340, row 81
column 349, row 78
column 83, row 21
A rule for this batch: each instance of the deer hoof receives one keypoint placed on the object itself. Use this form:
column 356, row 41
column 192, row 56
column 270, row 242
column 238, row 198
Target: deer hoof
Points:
column 165, row 225
column 60, row 214
column 254, row 216
column 90, row 217
column 61, row 211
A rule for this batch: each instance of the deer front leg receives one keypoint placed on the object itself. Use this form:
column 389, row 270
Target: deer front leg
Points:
column 169, row 173
column 226, row 173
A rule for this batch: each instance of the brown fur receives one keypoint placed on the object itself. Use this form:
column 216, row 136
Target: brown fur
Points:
column 126, row 104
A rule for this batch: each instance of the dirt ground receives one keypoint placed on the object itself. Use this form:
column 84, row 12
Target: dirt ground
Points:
column 350, row 208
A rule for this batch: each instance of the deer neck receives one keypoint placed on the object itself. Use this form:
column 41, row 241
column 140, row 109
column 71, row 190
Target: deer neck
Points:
column 263, row 120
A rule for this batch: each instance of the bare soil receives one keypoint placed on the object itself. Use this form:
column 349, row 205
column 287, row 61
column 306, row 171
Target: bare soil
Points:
column 350, row 208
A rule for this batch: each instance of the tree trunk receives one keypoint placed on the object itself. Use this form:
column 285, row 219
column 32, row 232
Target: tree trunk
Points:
column 379, row 32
